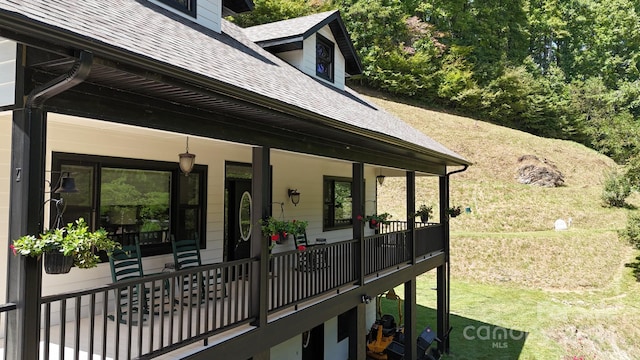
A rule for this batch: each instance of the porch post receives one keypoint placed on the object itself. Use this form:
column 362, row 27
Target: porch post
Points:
column 411, row 210
column 24, row 274
column 410, row 341
column 357, row 209
column 410, row 338
column 261, row 190
column 357, row 322
column 443, row 275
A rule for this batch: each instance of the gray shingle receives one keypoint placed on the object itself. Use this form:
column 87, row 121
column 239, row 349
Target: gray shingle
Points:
column 230, row 57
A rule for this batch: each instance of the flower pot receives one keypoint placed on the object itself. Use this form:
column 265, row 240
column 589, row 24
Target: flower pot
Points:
column 57, row 263
column 424, row 218
column 373, row 224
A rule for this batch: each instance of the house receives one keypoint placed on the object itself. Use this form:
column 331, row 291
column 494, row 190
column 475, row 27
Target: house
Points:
column 110, row 93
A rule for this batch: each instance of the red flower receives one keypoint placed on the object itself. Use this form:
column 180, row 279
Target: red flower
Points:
column 13, row 248
column 302, row 248
column 360, row 217
column 373, row 221
column 275, row 237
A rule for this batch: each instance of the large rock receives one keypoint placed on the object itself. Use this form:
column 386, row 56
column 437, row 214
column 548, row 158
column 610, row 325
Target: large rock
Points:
column 534, row 171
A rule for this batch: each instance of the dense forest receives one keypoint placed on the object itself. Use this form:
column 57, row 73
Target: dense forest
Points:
column 567, row 69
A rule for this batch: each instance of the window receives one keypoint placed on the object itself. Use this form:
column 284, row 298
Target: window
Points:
column 186, row 6
column 337, row 203
column 324, row 58
column 150, row 201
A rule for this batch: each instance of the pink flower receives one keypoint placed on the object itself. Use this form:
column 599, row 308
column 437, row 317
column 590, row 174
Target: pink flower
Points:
column 302, row 248
column 360, row 217
column 373, row 221
column 13, row 248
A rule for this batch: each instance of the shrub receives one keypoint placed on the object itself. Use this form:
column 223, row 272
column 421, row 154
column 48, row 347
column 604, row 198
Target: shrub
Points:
column 631, row 232
column 616, row 189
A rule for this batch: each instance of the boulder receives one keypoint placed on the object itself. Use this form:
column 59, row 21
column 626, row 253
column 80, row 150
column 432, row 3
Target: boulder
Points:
column 534, row 171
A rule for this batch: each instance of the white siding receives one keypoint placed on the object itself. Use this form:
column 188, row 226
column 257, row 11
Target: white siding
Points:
column 84, row 136
column 293, row 58
column 208, row 13
column 332, row 348
column 7, row 72
column 305, row 173
column 309, row 59
column 288, row 350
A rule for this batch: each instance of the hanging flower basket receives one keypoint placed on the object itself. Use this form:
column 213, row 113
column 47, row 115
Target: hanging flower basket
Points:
column 57, row 263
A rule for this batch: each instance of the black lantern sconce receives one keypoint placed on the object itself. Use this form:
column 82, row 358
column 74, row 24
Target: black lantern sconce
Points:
column 187, row 160
column 65, row 183
column 380, row 178
column 294, row 195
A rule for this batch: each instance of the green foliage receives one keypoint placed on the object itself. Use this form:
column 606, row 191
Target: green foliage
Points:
column 74, row 239
column 616, row 189
column 568, row 70
column 266, row 11
column 631, row 232
column 424, row 210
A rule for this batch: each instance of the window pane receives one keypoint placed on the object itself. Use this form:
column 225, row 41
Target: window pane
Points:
column 190, row 190
column 136, row 201
column 343, row 202
column 337, row 203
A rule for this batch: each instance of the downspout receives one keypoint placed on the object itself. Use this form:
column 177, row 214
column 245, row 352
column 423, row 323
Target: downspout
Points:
column 23, row 335
column 445, row 345
column 78, row 73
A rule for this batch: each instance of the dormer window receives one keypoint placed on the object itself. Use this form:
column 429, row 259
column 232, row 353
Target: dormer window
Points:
column 324, row 58
column 186, row 6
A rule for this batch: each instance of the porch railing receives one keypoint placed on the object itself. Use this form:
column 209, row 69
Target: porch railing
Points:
column 300, row 275
column 148, row 317
column 144, row 318
column 383, row 251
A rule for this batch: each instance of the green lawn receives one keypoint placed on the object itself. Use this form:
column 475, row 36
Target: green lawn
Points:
column 573, row 293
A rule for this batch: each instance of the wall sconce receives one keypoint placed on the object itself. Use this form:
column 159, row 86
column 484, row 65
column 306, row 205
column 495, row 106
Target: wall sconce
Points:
column 294, row 195
column 380, row 178
column 365, row 299
column 187, row 160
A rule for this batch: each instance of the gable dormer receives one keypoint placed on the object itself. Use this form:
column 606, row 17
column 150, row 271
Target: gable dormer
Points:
column 317, row 45
column 207, row 13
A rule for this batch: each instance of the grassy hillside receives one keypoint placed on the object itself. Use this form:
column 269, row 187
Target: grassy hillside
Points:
column 570, row 291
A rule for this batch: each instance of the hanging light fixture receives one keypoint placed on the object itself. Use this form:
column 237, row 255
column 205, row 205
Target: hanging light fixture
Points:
column 380, row 178
column 187, row 160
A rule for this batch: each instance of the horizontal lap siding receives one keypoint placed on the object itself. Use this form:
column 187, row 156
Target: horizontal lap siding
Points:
column 7, row 72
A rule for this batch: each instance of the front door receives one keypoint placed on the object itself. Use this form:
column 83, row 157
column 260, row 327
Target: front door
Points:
column 238, row 219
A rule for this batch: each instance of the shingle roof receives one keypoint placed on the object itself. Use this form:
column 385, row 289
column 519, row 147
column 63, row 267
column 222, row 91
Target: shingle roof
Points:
column 230, row 57
column 293, row 31
column 288, row 28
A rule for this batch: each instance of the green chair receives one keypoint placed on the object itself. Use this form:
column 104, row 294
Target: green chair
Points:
column 126, row 263
column 186, row 254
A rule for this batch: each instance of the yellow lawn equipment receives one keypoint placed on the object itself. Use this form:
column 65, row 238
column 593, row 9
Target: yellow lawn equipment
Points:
column 384, row 331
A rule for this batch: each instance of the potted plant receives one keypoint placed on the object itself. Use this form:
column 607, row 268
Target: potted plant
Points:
column 376, row 219
column 454, row 211
column 276, row 230
column 297, row 227
column 62, row 248
column 424, row 212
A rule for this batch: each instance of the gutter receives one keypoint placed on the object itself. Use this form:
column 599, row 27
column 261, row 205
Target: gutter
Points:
column 78, row 73
column 464, row 168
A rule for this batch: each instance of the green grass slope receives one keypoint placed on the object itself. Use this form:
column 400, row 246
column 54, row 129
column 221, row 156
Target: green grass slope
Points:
column 572, row 292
